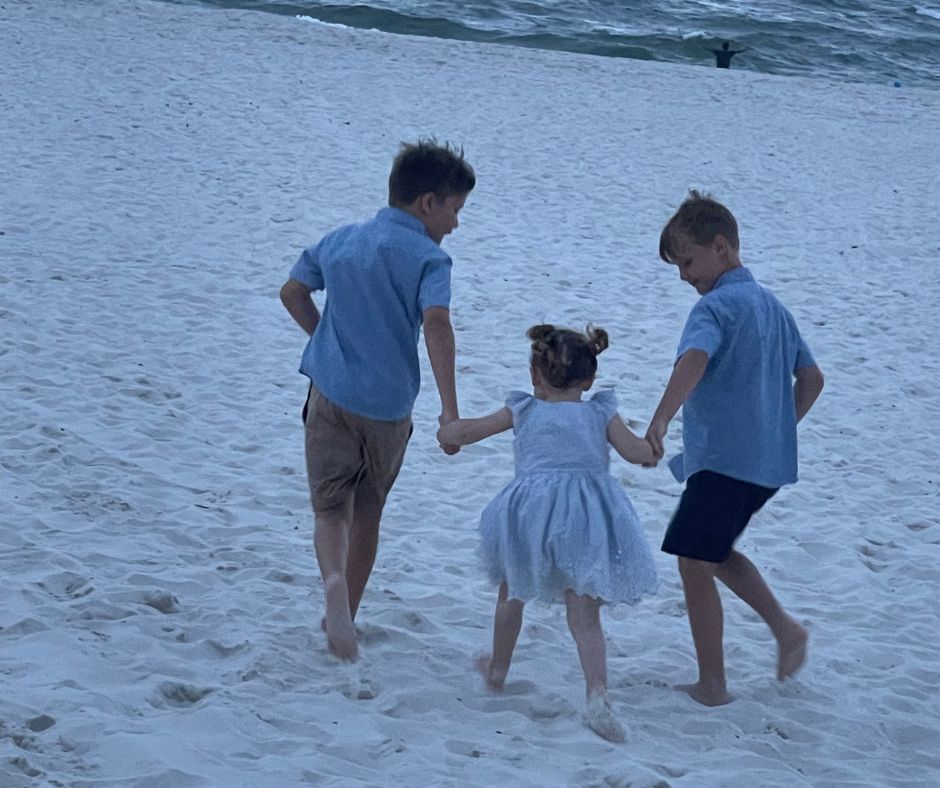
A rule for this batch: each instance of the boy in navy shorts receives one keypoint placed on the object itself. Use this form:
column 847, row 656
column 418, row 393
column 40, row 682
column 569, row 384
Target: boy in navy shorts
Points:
column 384, row 279
column 744, row 377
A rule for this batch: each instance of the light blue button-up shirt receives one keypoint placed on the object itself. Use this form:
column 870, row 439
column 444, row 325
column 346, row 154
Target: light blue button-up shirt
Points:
column 379, row 278
column 740, row 420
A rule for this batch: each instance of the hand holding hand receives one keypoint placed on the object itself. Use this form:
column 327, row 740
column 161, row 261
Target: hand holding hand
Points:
column 654, row 436
column 448, row 448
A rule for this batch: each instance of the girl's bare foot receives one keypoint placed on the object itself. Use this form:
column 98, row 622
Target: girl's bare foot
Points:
column 494, row 679
column 791, row 652
column 706, row 694
column 600, row 719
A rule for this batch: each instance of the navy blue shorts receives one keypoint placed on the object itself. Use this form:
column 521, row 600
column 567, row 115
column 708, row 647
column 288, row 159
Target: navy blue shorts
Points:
column 713, row 512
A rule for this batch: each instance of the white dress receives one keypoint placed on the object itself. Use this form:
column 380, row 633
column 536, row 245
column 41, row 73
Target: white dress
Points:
column 564, row 521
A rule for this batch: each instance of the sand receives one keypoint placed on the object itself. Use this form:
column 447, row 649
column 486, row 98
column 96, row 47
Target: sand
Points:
column 161, row 168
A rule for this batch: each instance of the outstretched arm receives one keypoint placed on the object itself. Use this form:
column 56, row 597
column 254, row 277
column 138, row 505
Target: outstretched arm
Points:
column 296, row 299
column 807, row 387
column 632, row 448
column 461, row 432
column 685, row 377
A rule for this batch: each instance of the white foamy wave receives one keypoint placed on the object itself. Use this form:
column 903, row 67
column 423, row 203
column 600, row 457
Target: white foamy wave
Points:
column 321, row 22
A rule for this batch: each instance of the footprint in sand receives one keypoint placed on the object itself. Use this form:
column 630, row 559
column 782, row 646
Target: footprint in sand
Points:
column 179, row 695
column 66, row 585
column 360, row 688
column 163, row 601
column 41, row 723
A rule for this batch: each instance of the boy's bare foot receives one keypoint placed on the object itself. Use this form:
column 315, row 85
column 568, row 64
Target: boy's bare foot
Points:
column 600, row 719
column 791, row 652
column 341, row 639
column 340, row 631
column 494, row 679
column 706, row 694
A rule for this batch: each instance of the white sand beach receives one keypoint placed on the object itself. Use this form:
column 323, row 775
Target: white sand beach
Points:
column 162, row 166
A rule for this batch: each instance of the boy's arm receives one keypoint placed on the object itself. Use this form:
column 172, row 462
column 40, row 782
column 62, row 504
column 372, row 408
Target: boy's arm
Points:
column 296, row 298
column 442, row 353
column 807, row 387
column 685, row 377
column 461, row 432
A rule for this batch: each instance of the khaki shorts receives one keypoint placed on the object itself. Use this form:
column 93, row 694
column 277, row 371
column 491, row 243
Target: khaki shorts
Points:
column 349, row 455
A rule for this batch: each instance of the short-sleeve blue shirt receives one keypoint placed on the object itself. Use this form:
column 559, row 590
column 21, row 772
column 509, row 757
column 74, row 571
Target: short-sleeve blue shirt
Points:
column 379, row 277
column 740, row 420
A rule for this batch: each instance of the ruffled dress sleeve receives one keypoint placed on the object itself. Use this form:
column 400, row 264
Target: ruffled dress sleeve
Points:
column 518, row 403
column 606, row 400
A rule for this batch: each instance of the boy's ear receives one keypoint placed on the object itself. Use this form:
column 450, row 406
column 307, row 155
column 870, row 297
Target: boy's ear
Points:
column 722, row 246
column 425, row 202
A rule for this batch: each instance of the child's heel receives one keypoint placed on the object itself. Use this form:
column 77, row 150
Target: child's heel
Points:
column 600, row 718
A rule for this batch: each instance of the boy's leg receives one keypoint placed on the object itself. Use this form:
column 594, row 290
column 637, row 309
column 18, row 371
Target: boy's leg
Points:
column 745, row 580
column 333, row 459
column 584, row 621
column 507, row 622
column 706, row 621
column 383, row 452
column 363, row 545
column 331, row 542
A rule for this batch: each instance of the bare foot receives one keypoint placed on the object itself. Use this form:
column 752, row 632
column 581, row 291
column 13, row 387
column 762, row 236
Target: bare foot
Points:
column 494, row 679
column 600, row 719
column 340, row 631
column 791, row 652
column 706, row 694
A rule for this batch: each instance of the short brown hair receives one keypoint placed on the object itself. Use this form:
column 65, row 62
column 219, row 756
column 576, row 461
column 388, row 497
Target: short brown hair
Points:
column 426, row 166
column 699, row 218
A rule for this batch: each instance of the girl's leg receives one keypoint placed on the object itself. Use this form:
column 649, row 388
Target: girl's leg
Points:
column 744, row 579
column 507, row 622
column 584, row 621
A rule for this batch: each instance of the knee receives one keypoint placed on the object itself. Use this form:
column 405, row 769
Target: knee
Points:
column 582, row 621
column 691, row 569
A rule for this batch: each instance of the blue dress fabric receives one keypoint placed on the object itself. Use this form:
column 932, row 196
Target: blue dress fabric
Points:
column 563, row 521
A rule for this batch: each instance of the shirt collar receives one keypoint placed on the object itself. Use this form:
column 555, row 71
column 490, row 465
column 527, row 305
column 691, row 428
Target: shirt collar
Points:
column 397, row 215
column 734, row 276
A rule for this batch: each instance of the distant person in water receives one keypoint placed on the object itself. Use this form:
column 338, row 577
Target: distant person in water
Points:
column 723, row 56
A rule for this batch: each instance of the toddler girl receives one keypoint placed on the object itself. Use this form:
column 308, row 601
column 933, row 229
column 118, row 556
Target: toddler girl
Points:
column 563, row 529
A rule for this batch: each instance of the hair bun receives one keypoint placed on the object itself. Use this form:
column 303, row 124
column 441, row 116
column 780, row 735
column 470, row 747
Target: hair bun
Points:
column 540, row 332
column 597, row 339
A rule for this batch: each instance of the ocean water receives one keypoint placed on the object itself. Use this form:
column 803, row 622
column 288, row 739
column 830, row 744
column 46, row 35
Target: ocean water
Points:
column 877, row 41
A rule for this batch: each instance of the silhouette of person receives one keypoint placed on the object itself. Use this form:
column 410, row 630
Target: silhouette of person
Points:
column 723, row 56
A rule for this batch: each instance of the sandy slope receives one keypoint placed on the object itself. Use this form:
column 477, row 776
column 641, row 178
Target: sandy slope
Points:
column 161, row 168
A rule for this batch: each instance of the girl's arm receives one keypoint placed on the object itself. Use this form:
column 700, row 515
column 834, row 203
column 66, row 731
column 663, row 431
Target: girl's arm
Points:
column 629, row 446
column 462, row 432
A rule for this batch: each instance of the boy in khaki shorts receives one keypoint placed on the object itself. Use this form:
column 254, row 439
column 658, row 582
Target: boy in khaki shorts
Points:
column 383, row 278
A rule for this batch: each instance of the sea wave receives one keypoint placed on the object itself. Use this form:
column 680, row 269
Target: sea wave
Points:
column 853, row 40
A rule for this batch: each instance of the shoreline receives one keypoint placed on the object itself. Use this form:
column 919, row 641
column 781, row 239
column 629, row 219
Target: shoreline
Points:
column 669, row 45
